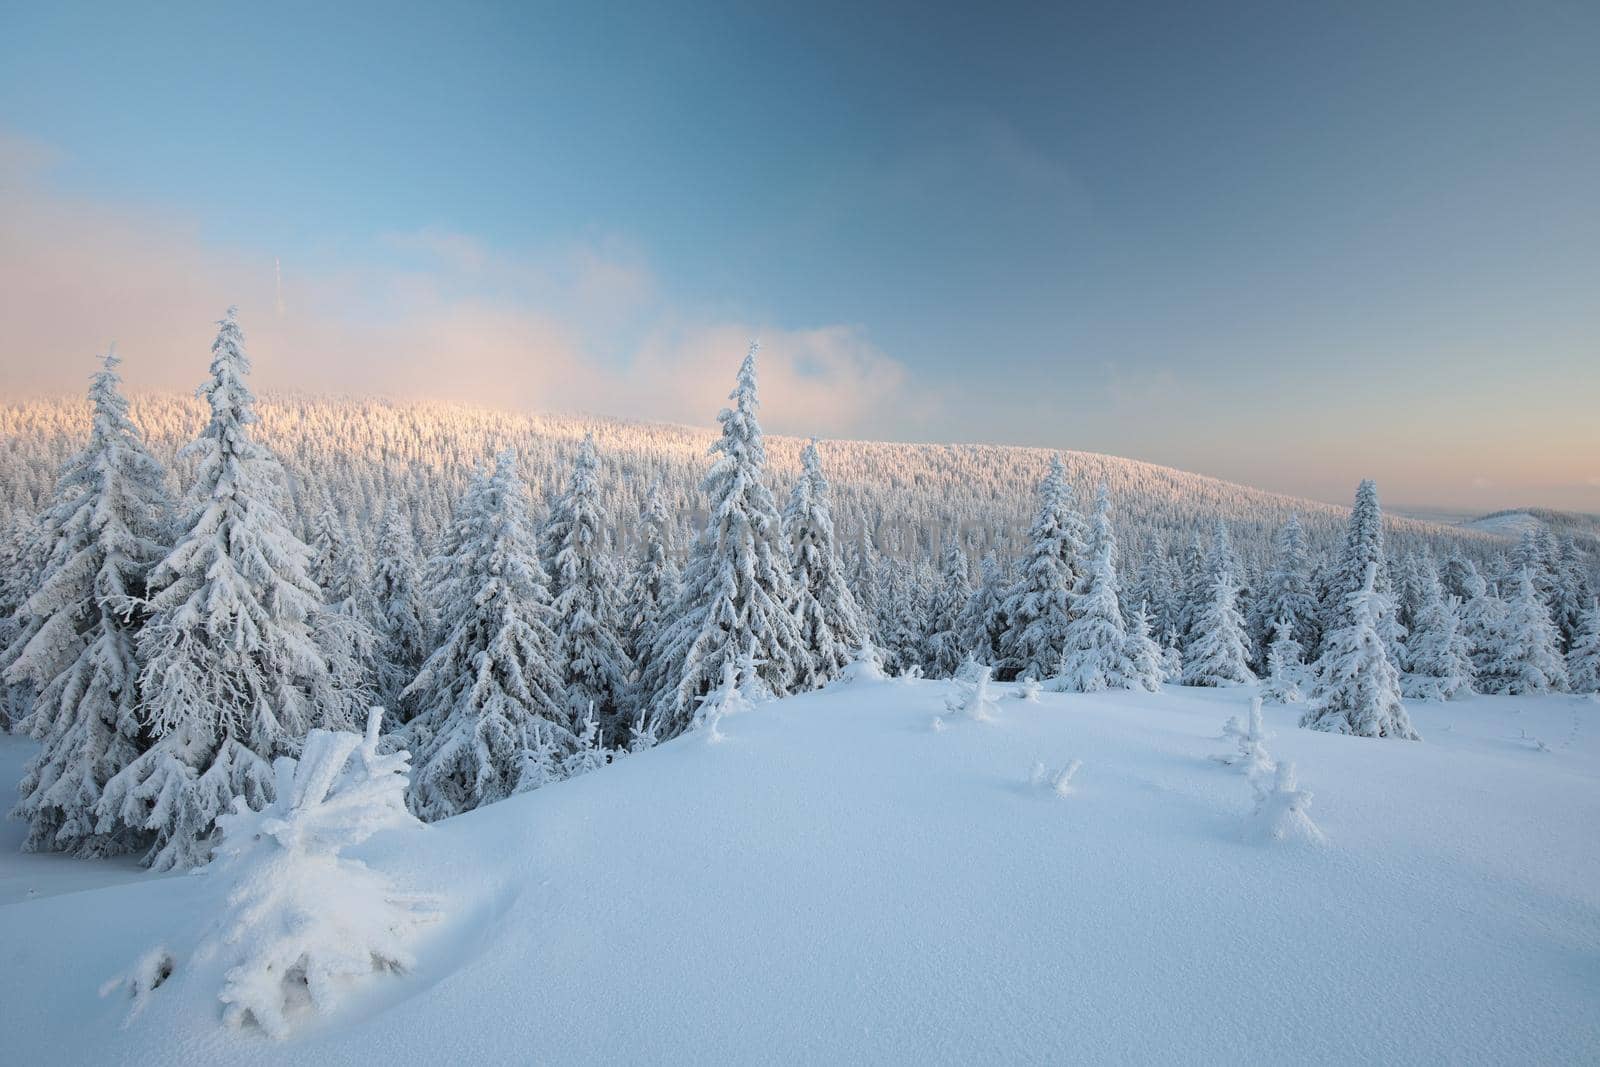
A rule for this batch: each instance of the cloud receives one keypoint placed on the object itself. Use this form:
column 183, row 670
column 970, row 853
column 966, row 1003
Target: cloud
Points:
column 437, row 313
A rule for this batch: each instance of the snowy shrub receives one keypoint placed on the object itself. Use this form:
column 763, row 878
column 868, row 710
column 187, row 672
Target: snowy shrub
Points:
column 727, row 698
column 1250, row 754
column 1281, row 807
column 592, row 753
column 645, row 733
column 299, row 923
column 865, row 666
column 1028, row 689
column 973, row 699
column 146, row 976
column 1058, row 781
column 1535, row 743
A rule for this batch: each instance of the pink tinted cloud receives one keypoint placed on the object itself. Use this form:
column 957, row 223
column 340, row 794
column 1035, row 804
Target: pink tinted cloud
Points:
column 468, row 324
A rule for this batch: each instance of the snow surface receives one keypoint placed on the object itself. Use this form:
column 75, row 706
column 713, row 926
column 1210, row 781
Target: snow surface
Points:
column 29, row 875
column 836, row 881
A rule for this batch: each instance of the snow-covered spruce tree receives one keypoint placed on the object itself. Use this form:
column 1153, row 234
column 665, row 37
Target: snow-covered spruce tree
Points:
column 16, row 585
column 1536, row 554
column 1440, row 661
column 1039, row 607
column 234, row 671
column 905, row 606
column 325, row 540
column 864, row 582
column 1216, row 653
column 1572, row 593
column 653, row 586
column 107, row 526
column 1482, row 615
column 1284, row 665
column 1363, row 547
column 831, row 624
column 488, row 696
column 737, row 592
column 983, row 619
column 1357, row 689
column 1194, row 582
column 1286, row 595
column 1583, row 658
column 590, row 656
column 405, row 618
column 1524, row 657
column 1152, row 586
column 1218, row 560
column 1147, row 667
column 945, row 641
column 30, row 556
column 355, row 610
column 1095, row 654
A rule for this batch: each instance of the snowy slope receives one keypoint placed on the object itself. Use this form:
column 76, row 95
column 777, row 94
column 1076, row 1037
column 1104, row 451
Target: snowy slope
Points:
column 1583, row 528
column 26, row 876
column 837, row 881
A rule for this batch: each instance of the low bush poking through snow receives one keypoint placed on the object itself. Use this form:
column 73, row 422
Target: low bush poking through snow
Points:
column 1250, row 754
column 1028, row 689
column 726, row 699
column 972, row 699
column 298, row 922
column 1058, row 781
column 866, row 666
column 1281, row 807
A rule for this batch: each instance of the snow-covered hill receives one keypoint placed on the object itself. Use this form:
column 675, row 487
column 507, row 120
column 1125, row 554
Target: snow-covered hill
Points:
column 838, row 881
column 366, row 450
column 1583, row 528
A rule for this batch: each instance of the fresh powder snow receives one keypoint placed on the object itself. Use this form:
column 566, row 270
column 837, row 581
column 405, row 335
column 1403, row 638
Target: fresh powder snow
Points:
column 835, row 881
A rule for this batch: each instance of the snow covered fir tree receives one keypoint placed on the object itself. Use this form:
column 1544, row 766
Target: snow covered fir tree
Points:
column 737, row 594
column 1038, row 608
column 76, row 639
column 233, row 671
column 492, row 715
column 590, row 652
column 831, row 624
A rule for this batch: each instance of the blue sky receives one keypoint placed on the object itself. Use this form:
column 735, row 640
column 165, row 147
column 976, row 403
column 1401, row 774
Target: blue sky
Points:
column 1289, row 244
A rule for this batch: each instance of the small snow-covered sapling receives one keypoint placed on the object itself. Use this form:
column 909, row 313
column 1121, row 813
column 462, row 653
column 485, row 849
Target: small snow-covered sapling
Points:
column 297, row 923
column 1028, row 689
column 866, row 666
column 1058, row 781
column 726, row 699
column 1282, row 807
column 1250, row 754
column 972, row 699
